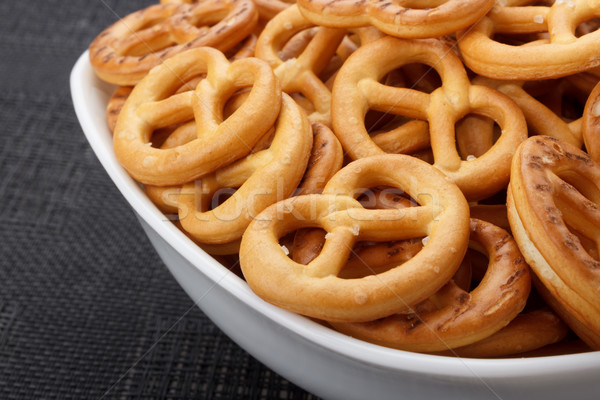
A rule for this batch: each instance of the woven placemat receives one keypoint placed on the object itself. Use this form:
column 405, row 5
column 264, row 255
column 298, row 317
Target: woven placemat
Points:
column 87, row 309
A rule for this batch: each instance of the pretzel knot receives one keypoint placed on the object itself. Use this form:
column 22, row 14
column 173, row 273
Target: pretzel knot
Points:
column 316, row 289
column 300, row 74
column 553, row 211
column 151, row 105
column 563, row 52
column 407, row 19
column 357, row 89
column 126, row 51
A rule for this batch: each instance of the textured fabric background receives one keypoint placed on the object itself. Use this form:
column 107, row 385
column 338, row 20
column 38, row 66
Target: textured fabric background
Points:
column 87, row 309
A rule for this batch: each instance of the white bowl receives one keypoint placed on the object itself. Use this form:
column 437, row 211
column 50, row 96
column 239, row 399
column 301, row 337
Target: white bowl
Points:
column 320, row 360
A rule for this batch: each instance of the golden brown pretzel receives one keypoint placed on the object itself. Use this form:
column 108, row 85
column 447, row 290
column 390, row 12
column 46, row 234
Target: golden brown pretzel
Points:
column 219, row 142
column 357, row 89
column 553, row 211
column 253, row 183
column 407, row 19
column 462, row 317
column 115, row 104
column 125, row 51
column 528, row 331
column 315, row 289
column 300, row 74
column 562, row 53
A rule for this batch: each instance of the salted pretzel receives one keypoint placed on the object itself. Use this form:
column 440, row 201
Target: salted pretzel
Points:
column 300, row 74
column 553, row 211
column 125, row 51
column 407, row 19
column 462, row 317
column 561, row 53
column 253, row 183
column 120, row 95
column 315, row 289
column 357, row 89
column 219, row 142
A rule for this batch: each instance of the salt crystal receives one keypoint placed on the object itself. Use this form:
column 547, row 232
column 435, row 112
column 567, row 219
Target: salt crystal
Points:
column 425, row 240
column 285, row 250
column 471, row 157
column 355, row 230
column 538, row 19
column 288, row 25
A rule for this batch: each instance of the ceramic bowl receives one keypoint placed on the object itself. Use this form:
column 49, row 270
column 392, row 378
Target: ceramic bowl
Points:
column 316, row 358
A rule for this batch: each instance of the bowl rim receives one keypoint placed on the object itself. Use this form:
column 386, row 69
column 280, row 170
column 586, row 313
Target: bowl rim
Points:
column 82, row 84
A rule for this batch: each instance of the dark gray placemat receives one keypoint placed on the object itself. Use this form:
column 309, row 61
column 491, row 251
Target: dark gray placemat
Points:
column 87, row 310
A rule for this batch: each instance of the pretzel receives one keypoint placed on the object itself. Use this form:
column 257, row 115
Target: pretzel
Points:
column 117, row 100
column 527, row 332
column 126, row 51
column 406, row 19
column 561, row 54
column 357, row 89
column 268, row 9
column 552, row 209
column 315, row 289
column 300, row 74
column 218, row 142
column 260, row 179
column 463, row 318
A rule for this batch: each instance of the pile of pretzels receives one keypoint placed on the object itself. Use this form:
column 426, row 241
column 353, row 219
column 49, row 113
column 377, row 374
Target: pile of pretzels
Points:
column 417, row 174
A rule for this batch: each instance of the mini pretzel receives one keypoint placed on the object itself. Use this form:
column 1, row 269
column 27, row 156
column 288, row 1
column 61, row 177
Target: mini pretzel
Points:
column 463, row 317
column 561, row 54
column 260, row 179
column 300, row 74
column 357, row 89
column 553, row 210
column 120, row 95
column 407, row 19
column 126, row 51
column 528, row 331
column 315, row 289
column 219, row 142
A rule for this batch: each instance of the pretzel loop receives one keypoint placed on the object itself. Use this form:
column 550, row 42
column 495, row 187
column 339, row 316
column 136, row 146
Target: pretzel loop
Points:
column 218, row 142
column 315, row 289
column 562, row 54
column 126, row 51
column 555, row 188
